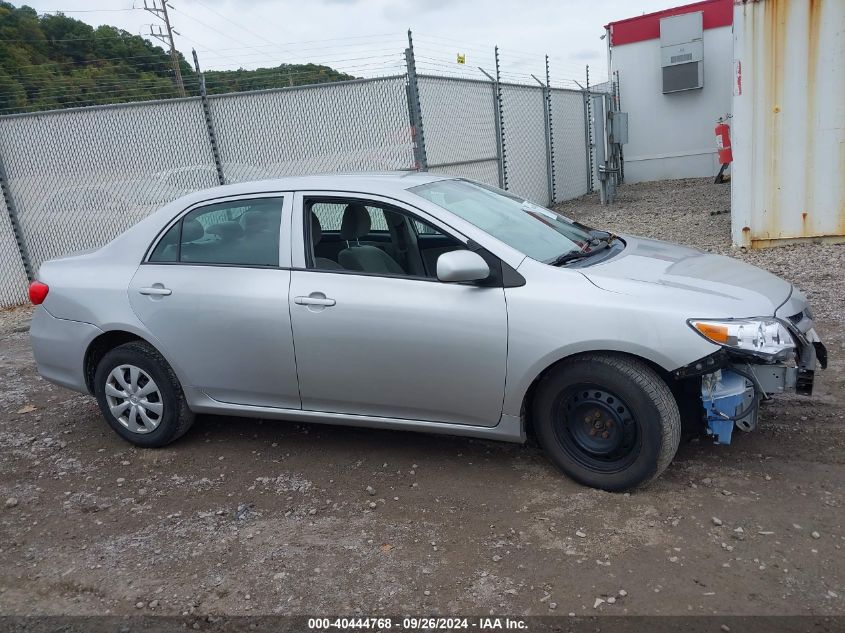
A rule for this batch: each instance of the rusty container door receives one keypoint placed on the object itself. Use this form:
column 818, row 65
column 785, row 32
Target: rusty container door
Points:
column 788, row 128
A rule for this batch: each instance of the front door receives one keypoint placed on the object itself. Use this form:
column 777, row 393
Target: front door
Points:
column 214, row 295
column 376, row 334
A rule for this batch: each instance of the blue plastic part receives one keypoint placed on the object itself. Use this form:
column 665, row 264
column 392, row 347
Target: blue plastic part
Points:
column 727, row 397
column 721, row 429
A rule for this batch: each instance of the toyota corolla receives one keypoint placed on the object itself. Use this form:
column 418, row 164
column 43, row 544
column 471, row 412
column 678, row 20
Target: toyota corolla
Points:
column 424, row 303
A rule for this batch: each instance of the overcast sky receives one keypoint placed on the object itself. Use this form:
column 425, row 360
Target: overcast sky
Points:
column 367, row 37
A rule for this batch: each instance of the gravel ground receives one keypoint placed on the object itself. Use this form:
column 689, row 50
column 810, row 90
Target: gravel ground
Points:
column 251, row 517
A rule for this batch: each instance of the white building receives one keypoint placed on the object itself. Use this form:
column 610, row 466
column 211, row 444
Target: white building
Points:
column 675, row 78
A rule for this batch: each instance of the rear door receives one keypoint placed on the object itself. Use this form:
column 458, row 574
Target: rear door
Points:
column 213, row 291
column 394, row 345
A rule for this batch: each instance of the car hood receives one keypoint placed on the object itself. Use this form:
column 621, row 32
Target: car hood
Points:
column 723, row 286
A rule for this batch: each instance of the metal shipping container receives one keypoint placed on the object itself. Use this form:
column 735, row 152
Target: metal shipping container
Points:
column 788, row 127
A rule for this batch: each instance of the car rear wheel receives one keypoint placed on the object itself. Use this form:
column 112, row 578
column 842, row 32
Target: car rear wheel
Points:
column 140, row 396
column 607, row 420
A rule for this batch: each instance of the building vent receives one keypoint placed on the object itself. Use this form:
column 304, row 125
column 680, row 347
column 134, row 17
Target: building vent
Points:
column 682, row 52
column 681, row 77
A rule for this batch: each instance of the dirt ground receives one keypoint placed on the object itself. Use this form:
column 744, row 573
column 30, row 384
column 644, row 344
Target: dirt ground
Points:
column 251, row 517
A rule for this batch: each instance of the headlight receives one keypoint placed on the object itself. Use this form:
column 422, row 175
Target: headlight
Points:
column 757, row 336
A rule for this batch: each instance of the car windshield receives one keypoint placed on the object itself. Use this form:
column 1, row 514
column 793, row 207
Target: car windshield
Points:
column 538, row 232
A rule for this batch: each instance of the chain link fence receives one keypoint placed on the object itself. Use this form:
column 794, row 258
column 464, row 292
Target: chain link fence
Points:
column 525, row 142
column 570, row 145
column 12, row 273
column 349, row 126
column 460, row 127
column 79, row 177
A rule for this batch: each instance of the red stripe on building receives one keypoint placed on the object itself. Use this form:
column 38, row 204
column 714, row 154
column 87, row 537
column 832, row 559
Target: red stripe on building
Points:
column 716, row 13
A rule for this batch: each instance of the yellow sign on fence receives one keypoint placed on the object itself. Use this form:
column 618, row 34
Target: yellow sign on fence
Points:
column 462, row 59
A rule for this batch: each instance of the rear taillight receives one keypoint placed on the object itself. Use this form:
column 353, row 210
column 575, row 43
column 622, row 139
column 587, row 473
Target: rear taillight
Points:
column 38, row 292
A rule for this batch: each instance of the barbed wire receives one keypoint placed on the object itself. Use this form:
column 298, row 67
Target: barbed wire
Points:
column 271, row 65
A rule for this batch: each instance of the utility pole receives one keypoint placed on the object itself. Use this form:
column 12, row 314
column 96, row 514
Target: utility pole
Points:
column 166, row 37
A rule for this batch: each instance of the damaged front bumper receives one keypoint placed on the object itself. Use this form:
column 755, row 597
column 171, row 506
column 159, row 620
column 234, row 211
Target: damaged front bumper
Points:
column 733, row 384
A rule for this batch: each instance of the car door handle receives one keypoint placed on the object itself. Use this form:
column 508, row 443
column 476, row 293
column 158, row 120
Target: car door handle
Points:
column 314, row 301
column 156, row 291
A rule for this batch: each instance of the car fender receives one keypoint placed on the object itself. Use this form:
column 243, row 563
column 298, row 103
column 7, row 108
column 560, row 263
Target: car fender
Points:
column 560, row 313
column 518, row 389
column 147, row 336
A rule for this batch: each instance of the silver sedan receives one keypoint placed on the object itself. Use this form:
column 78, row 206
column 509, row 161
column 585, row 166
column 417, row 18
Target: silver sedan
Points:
column 411, row 301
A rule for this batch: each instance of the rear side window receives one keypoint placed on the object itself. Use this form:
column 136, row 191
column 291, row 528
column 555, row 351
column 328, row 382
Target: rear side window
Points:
column 238, row 233
column 167, row 249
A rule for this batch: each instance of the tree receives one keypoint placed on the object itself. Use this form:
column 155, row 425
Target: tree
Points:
column 53, row 61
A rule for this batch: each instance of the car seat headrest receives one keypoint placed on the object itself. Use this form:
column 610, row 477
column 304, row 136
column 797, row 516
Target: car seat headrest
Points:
column 192, row 230
column 356, row 222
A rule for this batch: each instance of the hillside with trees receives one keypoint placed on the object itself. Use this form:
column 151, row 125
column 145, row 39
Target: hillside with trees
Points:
column 53, row 61
column 219, row 81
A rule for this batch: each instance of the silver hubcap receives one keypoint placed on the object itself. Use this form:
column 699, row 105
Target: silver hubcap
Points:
column 134, row 399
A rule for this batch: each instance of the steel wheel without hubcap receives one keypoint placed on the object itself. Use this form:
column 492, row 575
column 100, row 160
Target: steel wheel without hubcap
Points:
column 607, row 420
column 134, row 399
column 597, row 429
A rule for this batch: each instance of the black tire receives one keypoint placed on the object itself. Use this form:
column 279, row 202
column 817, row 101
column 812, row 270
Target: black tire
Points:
column 175, row 419
column 607, row 421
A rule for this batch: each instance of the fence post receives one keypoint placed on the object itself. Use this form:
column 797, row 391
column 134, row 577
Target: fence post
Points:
column 209, row 124
column 621, row 147
column 500, row 127
column 547, row 130
column 496, row 125
column 414, row 108
column 588, row 131
column 550, row 136
column 13, row 219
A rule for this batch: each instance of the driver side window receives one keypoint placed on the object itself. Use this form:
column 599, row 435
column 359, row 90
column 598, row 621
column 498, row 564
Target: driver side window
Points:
column 373, row 238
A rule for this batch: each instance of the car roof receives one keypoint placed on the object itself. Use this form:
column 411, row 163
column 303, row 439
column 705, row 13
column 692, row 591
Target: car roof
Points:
column 385, row 183
column 373, row 182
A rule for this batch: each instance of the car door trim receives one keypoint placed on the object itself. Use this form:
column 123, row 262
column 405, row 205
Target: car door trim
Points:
column 508, row 429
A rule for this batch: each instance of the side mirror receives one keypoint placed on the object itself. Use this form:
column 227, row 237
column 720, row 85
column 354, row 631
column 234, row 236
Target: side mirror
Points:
column 456, row 266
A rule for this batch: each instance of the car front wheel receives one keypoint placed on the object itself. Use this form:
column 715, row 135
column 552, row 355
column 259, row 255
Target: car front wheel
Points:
column 140, row 396
column 607, row 421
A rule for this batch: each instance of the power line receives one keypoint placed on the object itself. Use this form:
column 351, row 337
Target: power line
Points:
column 360, row 55
column 328, row 43
column 342, row 60
column 376, row 52
column 108, row 84
column 93, row 37
column 271, row 44
column 131, row 93
column 208, row 26
column 102, row 84
column 87, row 62
column 88, row 10
column 243, row 28
column 509, row 55
column 202, row 46
column 98, row 85
column 240, row 61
